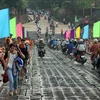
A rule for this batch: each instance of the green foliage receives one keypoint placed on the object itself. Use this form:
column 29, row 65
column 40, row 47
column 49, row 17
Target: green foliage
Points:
column 49, row 4
column 85, row 3
column 14, row 3
column 56, row 8
column 22, row 4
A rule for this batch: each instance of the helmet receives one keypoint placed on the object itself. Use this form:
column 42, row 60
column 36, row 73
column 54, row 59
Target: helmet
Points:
column 67, row 40
column 75, row 40
column 57, row 39
column 41, row 39
column 81, row 40
column 95, row 40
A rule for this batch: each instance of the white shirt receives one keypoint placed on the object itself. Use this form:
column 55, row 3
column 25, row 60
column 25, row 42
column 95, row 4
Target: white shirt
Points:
column 63, row 43
column 11, row 59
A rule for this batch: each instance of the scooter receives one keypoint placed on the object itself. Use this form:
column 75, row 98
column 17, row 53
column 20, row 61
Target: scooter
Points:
column 64, row 49
column 82, row 58
column 70, row 55
column 53, row 47
column 41, row 52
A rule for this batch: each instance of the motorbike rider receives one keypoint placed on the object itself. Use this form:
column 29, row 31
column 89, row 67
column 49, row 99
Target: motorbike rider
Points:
column 58, row 44
column 54, row 43
column 41, row 45
column 70, row 47
column 93, row 50
column 39, row 32
column 64, row 45
column 98, row 58
column 80, row 48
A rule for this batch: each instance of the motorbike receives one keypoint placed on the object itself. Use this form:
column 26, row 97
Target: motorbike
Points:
column 45, row 17
column 70, row 55
column 41, row 52
column 58, row 47
column 63, row 49
column 82, row 58
column 53, row 47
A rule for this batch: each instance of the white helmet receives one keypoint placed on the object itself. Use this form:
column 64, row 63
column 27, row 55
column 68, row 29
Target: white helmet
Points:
column 57, row 39
column 41, row 39
column 95, row 40
column 75, row 40
column 67, row 40
column 81, row 40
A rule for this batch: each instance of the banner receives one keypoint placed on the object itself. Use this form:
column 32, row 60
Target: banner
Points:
column 65, row 34
column 96, row 29
column 4, row 23
column 23, row 32
column 72, row 34
column 77, row 35
column 13, row 27
column 19, row 29
column 68, row 34
column 86, row 32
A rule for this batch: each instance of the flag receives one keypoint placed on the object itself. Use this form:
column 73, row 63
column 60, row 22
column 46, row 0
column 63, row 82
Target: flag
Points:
column 77, row 35
column 4, row 23
column 68, row 34
column 72, row 33
column 96, row 29
column 23, row 32
column 13, row 27
column 19, row 29
column 65, row 34
column 86, row 32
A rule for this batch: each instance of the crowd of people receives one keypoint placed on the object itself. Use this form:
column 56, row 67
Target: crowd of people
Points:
column 71, row 45
column 14, row 58
column 78, row 47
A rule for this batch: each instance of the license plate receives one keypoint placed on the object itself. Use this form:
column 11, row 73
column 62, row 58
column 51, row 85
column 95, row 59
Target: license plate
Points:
column 71, row 54
column 82, row 56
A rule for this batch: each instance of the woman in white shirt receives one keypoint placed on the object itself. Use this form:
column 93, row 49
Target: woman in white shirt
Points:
column 13, row 80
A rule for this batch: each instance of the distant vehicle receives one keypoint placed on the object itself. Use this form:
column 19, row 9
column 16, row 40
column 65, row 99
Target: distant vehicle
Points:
column 30, row 12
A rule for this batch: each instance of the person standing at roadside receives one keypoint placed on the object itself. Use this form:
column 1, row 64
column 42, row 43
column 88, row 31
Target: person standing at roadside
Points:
column 61, row 32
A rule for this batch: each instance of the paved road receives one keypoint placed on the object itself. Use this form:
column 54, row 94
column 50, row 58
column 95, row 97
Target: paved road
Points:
column 43, row 24
column 62, row 79
column 56, row 77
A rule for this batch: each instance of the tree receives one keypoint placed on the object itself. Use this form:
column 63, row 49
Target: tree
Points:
column 22, row 4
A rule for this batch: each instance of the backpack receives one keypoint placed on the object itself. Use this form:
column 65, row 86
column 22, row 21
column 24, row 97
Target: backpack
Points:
column 81, row 47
